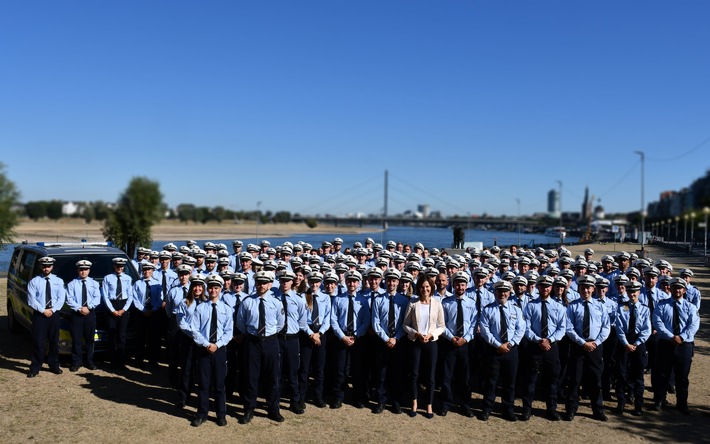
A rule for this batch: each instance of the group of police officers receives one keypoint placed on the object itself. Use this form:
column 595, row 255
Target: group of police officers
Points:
column 268, row 320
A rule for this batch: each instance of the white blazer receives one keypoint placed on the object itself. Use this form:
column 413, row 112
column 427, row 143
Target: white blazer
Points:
column 436, row 319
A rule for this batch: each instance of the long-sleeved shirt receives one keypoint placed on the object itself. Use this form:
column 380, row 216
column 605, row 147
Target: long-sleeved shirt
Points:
column 556, row 320
column 641, row 332
column 201, row 324
column 37, row 290
column 248, row 315
column 74, row 294
column 381, row 313
column 687, row 315
column 339, row 314
column 470, row 317
column 491, row 324
column 599, row 326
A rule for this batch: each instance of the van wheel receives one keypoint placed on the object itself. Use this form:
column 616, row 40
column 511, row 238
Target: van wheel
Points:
column 12, row 324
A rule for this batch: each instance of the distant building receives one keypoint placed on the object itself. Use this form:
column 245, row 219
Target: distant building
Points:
column 553, row 203
column 423, row 209
column 70, row 208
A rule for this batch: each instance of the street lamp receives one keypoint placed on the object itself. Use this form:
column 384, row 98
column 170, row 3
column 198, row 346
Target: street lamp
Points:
column 692, row 230
column 670, row 221
column 518, row 201
column 258, row 216
column 677, row 221
column 560, row 200
column 706, row 210
column 663, row 224
column 643, row 213
column 685, row 228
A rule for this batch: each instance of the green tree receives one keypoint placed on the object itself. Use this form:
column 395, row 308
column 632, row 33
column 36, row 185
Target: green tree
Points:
column 186, row 212
column 89, row 213
column 54, row 209
column 218, row 214
column 139, row 208
column 36, row 210
column 101, row 210
column 8, row 200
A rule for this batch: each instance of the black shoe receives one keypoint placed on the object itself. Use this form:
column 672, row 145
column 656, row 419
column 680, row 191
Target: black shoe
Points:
column 221, row 422
column 359, row 405
column 620, row 409
column 684, row 410
column 378, row 409
column 276, row 416
column 396, row 409
column 428, row 415
column 671, row 389
column 297, row 409
column 443, row 411
column 484, row 415
column 91, row 366
column 553, row 415
column 412, row 413
column 180, row 404
column 56, row 370
column 246, row 419
column 336, row 404
column 319, row 403
column 467, row 412
column 656, row 407
column 525, row 416
column 637, row 411
column 510, row 417
column 32, row 374
column 599, row 416
column 74, row 368
column 569, row 416
column 197, row 422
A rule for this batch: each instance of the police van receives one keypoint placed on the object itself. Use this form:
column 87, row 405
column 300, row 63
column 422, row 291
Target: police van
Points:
column 24, row 265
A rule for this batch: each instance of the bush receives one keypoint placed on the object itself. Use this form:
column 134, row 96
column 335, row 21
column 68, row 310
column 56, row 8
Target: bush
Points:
column 311, row 223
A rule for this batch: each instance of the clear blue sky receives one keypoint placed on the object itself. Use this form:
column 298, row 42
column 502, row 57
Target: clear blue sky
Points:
column 302, row 105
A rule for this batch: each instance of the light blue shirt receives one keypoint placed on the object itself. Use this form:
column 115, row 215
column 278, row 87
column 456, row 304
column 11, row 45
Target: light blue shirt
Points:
column 171, row 278
column 108, row 290
column 184, row 315
column 693, row 296
column 295, row 309
column 663, row 319
column 324, row 313
column 339, row 314
column 491, row 323
column 599, row 326
column 643, row 323
column 36, row 292
column 93, row 294
column 380, row 315
column 175, row 295
column 248, row 314
column 201, row 322
column 140, row 295
column 655, row 294
column 610, row 306
column 556, row 320
column 470, row 317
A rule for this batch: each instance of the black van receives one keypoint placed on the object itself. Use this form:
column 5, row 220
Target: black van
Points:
column 24, row 266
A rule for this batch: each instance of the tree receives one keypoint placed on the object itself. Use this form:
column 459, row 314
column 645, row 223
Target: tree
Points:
column 101, row 210
column 218, row 214
column 8, row 200
column 54, row 209
column 137, row 210
column 36, row 210
column 186, row 212
column 89, row 213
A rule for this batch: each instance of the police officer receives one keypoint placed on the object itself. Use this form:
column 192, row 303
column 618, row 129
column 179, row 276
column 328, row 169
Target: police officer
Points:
column 350, row 320
column 461, row 318
column 148, row 301
column 677, row 323
column 387, row 318
column 176, row 294
column 294, row 307
column 117, row 295
column 212, row 326
column 502, row 327
column 261, row 318
column 587, row 327
column 83, row 296
column 46, row 296
column 546, row 326
column 633, row 328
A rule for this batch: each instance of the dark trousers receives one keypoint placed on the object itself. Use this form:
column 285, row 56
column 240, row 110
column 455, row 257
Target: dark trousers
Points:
column 172, row 343
column 117, row 327
column 263, row 363
column 187, row 365
column 213, row 369
column 500, row 367
column 564, row 348
column 587, row 366
column 423, row 358
column 44, row 331
column 456, row 371
column 358, row 370
column 388, row 371
column 83, row 329
column 677, row 359
column 290, row 361
column 629, row 372
column 331, row 364
column 231, row 380
column 651, row 346
column 547, row 365
column 147, row 336
column 609, row 372
column 313, row 359
column 476, row 372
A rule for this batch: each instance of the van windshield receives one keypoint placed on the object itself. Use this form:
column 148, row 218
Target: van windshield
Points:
column 101, row 265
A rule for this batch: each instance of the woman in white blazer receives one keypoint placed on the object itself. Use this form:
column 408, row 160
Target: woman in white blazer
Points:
column 423, row 322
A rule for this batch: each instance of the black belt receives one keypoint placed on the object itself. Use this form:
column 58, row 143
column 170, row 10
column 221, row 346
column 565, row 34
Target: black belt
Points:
column 117, row 302
column 290, row 336
column 262, row 338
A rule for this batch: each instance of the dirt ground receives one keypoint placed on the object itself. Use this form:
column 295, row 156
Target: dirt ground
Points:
column 138, row 406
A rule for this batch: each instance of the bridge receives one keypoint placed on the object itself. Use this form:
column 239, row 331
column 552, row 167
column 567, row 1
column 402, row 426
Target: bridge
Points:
column 507, row 224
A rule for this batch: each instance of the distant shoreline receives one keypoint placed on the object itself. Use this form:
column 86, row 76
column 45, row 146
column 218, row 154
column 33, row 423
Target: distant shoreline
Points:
column 73, row 230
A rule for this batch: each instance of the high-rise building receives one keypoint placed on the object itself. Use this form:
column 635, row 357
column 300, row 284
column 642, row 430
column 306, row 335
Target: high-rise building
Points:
column 553, row 203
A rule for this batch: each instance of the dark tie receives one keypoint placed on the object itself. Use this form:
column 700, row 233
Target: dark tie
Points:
column 165, row 282
column 184, row 292
column 83, row 293
column 262, row 318
column 649, row 294
column 543, row 320
column 48, row 294
column 213, row 324
column 631, row 333
column 391, row 324
column 119, row 288
column 148, row 301
column 373, row 294
column 315, row 315
column 459, row 317
column 478, row 301
column 285, row 302
column 585, row 321
column 503, row 325
column 350, row 318
column 676, row 319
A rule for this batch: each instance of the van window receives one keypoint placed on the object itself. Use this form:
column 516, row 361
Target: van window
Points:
column 101, row 265
column 15, row 262
column 28, row 262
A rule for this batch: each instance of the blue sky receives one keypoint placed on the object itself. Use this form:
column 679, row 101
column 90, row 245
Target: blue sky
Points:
column 302, row 105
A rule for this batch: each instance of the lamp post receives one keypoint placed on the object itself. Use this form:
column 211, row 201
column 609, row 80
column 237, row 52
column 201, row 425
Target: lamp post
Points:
column 692, row 229
column 670, row 221
column 685, row 228
column 642, row 239
column 663, row 224
column 677, row 221
column 706, row 210
column 561, row 231
column 258, row 216
column 518, row 201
